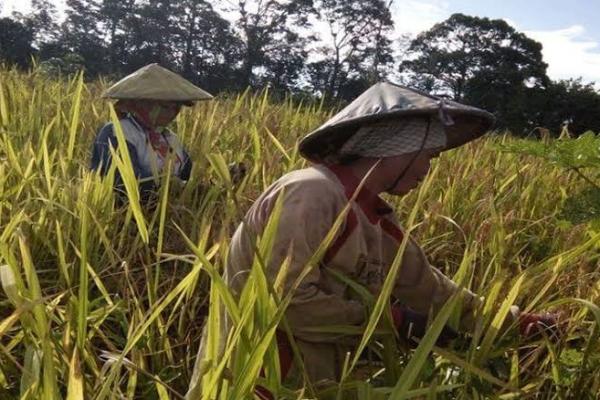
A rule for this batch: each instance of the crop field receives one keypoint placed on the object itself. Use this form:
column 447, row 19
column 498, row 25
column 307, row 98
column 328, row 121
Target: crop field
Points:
column 106, row 301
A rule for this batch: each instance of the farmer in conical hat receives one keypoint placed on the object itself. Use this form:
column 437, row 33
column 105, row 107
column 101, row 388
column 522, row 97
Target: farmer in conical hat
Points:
column 384, row 139
column 147, row 101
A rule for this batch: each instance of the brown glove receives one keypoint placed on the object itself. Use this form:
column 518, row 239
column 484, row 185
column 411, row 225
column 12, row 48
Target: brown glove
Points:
column 237, row 171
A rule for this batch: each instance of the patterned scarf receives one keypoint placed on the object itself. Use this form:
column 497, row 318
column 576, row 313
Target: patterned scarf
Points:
column 141, row 113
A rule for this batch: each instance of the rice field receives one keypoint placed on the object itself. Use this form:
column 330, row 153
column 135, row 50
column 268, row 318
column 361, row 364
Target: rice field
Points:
column 101, row 301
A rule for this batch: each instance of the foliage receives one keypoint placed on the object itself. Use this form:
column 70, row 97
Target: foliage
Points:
column 82, row 33
column 210, row 48
column 42, row 22
column 220, row 45
column 68, row 65
column 356, row 50
column 316, row 49
column 273, row 51
column 100, row 301
column 581, row 155
column 568, row 103
column 481, row 61
column 16, row 44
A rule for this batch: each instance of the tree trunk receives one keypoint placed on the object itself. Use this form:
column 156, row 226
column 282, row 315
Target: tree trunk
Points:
column 331, row 86
column 187, row 60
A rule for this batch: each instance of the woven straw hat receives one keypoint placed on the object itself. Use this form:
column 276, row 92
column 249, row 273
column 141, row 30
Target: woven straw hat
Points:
column 154, row 82
column 388, row 101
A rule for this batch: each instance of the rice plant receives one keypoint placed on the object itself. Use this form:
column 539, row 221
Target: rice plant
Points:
column 107, row 301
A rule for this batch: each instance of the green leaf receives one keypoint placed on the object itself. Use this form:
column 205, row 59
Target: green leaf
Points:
column 124, row 165
column 75, row 112
column 418, row 358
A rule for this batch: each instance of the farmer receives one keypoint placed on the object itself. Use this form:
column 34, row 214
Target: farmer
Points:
column 385, row 139
column 147, row 101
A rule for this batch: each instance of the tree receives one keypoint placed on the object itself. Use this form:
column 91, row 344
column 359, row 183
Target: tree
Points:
column 81, row 35
column 41, row 20
column 566, row 102
column 356, row 47
column 210, row 50
column 16, row 41
column 152, row 32
column 479, row 61
column 273, row 50
column 113, row 16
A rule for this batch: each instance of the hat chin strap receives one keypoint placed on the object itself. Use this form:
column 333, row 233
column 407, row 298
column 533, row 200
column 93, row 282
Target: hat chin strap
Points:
column 405, row 170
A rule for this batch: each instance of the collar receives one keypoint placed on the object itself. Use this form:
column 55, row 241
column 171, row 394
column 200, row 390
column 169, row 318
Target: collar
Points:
column 135, row 122
column 374, row 207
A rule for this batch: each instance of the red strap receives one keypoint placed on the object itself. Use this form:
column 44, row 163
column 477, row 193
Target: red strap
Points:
column 391, row 229
column 286, row 356
column 397, row 316
column 263, row 393
column 351, row 224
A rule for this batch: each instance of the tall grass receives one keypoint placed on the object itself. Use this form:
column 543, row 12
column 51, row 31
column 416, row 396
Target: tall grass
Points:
column 101, row 301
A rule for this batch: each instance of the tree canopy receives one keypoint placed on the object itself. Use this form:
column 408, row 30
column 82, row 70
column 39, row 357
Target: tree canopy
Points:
column 355, row 49
column 317, row 48
column 479, row 61
column 16, row 44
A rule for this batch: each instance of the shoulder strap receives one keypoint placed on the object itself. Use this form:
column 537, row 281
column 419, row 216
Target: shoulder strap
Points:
column 350, row 224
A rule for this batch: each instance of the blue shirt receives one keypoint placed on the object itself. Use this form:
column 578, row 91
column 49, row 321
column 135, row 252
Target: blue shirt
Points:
column 146, row 163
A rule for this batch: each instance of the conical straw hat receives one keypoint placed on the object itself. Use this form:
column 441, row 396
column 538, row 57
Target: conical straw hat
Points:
column 388, row 101
column 154, row 82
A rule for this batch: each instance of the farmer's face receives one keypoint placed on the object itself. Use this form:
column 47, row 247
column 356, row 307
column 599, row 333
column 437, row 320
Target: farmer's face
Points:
column 162, row 113
column 391, row 168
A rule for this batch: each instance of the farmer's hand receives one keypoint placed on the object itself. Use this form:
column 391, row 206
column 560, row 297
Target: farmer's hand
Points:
column 531, row 326
column 412, row 324
column 237, row 171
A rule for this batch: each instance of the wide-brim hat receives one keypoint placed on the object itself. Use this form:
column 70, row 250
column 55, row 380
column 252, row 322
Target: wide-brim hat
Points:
column 154, row 82
column 388, row 101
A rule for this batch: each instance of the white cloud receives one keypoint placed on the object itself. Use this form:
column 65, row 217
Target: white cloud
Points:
column 414, row 16
column 570, row 53
column 7, row 7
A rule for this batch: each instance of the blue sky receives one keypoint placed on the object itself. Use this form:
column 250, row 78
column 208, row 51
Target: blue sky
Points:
column 568, row 29
column 536, row 14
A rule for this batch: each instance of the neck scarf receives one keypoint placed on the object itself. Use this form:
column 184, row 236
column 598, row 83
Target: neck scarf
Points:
column 141, row 112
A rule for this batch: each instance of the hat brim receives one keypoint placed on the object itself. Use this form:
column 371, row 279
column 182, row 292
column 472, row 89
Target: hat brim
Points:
column 187, row 103
column 468, row 125
column 153, row 82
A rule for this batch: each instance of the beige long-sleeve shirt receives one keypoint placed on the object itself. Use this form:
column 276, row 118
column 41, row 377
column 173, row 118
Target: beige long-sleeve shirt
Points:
column 364, row 250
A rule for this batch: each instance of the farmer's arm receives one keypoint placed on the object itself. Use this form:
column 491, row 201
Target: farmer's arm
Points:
column 101, row 156
column 423, row 287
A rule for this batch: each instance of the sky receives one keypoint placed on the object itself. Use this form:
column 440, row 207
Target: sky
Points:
column 567, row 29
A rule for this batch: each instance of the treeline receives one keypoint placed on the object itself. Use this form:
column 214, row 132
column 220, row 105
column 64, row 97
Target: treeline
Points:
column 310, row 48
